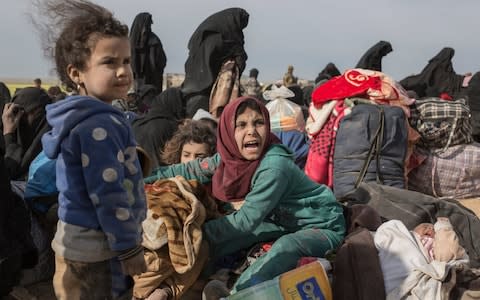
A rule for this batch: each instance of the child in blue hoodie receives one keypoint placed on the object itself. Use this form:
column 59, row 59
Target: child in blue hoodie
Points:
column 101, row 197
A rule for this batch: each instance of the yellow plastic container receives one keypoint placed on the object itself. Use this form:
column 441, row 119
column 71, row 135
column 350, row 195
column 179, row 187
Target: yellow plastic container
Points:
column 308, row 282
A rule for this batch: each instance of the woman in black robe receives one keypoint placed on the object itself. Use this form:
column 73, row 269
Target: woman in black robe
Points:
column 158, row 125
column 372, row 59
column 24, row 122
column 148, row 57
column 436, row 78
column 218, row 38
column 327, row 73
column 4, row 94
column 17, row 250
column 473, row 94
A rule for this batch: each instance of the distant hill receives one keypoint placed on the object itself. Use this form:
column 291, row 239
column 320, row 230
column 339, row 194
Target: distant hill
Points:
column 16, row 80
column 17, row 83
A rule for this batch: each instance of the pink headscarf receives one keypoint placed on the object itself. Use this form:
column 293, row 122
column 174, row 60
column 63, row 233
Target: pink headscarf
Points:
column 231, row 181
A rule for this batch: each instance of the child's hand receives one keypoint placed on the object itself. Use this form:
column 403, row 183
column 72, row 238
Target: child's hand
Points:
column 134, row 265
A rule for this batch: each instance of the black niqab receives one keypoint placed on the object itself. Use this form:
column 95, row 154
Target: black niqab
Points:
column 27, row 142
column 217, row 38
column 473, row 94
column 4, row 94
column 159, row 124
column 372, row 59
column 437, row 77
column 328, row 72
column 148, row 57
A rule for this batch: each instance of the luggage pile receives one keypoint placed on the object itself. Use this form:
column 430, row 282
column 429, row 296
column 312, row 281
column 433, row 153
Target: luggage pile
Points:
column 450, row 166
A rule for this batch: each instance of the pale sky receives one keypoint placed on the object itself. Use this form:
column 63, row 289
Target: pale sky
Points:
column 304, row 33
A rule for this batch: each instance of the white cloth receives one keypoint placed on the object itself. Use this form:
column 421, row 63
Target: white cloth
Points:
column 398, row 252
column 278, row 93
column 425, row 282
column 317, row 117
column 406, row 271
column 203, row 114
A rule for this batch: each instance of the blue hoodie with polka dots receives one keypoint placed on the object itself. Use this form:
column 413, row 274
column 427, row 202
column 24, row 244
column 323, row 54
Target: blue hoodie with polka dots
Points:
column 99, row 177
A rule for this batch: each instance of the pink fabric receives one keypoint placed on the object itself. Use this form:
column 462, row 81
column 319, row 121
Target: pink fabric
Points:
column 466, row 80
column 319, row 165
column 231, row 181
column 427, row 243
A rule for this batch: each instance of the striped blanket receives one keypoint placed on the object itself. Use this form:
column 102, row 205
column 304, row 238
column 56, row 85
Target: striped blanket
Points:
column 175, row 251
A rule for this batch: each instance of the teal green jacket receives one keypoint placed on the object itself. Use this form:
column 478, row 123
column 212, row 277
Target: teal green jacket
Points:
column 280, row 193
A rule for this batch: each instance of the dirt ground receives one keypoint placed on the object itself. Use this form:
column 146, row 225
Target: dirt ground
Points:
column 44, row 291
column 473, row 204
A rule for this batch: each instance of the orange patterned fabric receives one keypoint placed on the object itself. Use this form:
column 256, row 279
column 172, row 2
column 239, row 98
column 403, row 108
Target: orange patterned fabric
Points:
column 175, row 203
column 177, row 208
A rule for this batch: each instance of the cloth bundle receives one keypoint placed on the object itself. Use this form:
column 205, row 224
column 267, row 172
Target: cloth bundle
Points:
column 454, row 172
column 177, row 208
column 285, row 115
column 441, row 123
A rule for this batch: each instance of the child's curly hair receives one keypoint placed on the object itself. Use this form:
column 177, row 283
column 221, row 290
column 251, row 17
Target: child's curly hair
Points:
column 70, row 29
column 189, row 131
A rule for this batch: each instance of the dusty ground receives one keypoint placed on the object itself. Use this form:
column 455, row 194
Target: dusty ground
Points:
column 473, row 204
column 44, row 291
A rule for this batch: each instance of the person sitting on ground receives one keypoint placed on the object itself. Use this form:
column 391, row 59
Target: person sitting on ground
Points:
column 192, row 140
column 55, row 93
column 24, row 122
column 279, row 200
column 17, row 249
column 153, row 129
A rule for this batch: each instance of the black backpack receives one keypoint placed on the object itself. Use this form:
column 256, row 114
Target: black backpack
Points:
column 370, row 146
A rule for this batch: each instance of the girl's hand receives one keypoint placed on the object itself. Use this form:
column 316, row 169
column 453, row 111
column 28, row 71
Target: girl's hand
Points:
column 134, row 265
column 12, row 113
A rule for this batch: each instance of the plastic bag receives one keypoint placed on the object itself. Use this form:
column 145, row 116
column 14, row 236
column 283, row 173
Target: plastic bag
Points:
column 285, row 115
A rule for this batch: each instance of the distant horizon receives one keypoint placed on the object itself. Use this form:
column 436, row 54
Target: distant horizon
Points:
column 305, row 34
column 55, row 80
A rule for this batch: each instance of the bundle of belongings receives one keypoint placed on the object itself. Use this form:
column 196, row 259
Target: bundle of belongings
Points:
column 359, row 131
column 417, row 262
column 285, row 115
column 426, row 247
column 448, row 156
column 175, row 251
column 371, row 143
column 287, row 122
